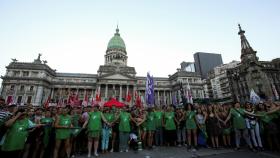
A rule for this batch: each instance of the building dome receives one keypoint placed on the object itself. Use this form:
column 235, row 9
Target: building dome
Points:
column 116, row 42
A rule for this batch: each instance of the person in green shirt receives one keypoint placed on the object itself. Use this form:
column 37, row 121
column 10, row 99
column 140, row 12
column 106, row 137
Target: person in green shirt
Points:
column 76, row 116
column 124, row 128
column 48, row 121
column 17, row 134
column 180, row 126
column 237, row 114
column 159, row 130
column 169, row 125
column 139, row 118
column 191, row 126
column 106, row 129
column 269, row 112
column 151, row 127
column 93, row 124
column 63, row 124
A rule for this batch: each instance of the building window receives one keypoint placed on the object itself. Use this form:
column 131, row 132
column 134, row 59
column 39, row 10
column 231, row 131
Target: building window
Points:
column 35, row 74
column 12, row 87
column 19, row 99
column 31, row 88
column 21, row 88
column 16, row 73
column 25, row 73
column 29, row 98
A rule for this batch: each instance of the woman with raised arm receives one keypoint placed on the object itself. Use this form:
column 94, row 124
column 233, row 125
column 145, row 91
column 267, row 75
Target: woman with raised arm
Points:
column 269, row 112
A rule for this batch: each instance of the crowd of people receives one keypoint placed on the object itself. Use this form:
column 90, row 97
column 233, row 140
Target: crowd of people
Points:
column 67, row 131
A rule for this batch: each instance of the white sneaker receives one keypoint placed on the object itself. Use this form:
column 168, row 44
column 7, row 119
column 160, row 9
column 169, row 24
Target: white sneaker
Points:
column 96, row 155
column 112, row 150
column 121, row 151
column 126, row 150
column 88, row 155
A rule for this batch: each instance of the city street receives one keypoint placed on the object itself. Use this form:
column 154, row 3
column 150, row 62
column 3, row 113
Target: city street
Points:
column 175, row 152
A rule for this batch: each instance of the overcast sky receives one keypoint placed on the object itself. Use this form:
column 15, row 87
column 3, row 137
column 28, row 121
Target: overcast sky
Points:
column 73, row 35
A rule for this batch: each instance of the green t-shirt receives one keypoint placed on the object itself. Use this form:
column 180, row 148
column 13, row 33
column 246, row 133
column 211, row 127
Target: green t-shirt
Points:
column 238, row 119
column 47, row 129
column 63, row 133
column 94, row 122
column 151, row 121
column 124, row 125
column 16, row 136
column 75, row 120
column 158, row 118
column 169, row 121
column 190, row 120
column 109, row 117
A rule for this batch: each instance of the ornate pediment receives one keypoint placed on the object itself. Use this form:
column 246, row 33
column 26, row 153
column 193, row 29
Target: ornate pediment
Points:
column 117, row 76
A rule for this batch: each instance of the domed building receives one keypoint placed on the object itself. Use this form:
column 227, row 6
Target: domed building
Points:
column 35, row 82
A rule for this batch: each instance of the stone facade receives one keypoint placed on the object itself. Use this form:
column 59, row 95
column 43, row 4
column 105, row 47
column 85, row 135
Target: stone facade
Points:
column 220, row 82
column 34, row 82
column 261, row 76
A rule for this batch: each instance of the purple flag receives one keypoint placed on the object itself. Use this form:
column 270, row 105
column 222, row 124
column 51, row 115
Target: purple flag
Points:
column 150, row 99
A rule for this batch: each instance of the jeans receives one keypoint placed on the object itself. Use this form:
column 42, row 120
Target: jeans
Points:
column 245, row 135
column 124, row 136
column 105, row 138
column 159, row 136
column 255, row 134
column 181, row 135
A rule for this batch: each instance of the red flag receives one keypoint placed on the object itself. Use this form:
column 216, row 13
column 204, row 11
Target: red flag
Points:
column 97, row 95
column 46, row 104
column 10, row 100
column 85, row 102
column 138, row 101
column 60, row 102
column 71, row 99
column 128, row 97
column 76, row 100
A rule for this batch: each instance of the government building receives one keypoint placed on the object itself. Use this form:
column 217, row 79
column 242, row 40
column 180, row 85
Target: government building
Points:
column 35, row 82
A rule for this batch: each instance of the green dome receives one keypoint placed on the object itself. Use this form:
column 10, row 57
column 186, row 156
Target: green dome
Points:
column 116, row 42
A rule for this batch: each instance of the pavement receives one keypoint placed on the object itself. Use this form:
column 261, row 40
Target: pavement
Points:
column 182, row 152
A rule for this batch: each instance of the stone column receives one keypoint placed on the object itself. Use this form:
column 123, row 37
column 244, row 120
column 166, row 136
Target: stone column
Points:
column 170, row 97
column 24, row 98
column 52, row 91
column 120, row 96
column 114, row 91
column 158, row 98
column 164, row 97
column 127, row 88
column 106, row 91
column 134, row 99
column 39, row 95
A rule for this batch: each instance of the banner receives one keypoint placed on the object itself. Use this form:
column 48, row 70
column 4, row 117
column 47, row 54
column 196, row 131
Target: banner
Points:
column 150, row 99
column 254, row 98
